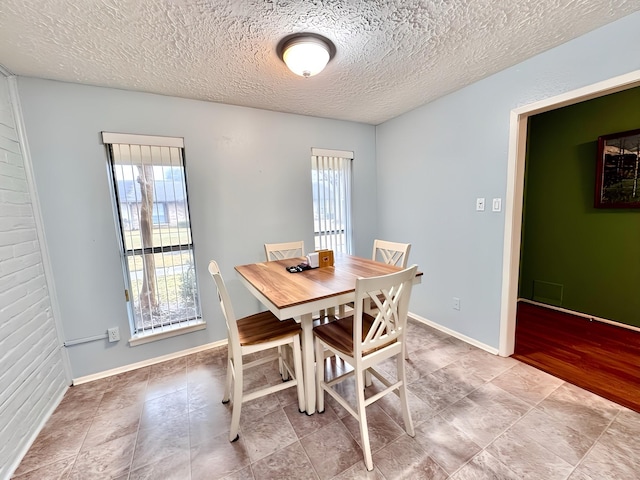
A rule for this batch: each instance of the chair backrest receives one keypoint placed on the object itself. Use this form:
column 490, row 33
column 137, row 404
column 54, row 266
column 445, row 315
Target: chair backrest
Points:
column 225, row 305
column 391, row 294
column 391, row 253
column 281, row 251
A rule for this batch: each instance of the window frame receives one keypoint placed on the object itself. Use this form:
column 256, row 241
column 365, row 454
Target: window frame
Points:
column 141, row 335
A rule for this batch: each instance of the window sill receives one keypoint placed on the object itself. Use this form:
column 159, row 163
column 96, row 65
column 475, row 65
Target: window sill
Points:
column 174, row 332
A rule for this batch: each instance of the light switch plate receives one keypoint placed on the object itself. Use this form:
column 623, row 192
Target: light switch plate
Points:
column 480, row 204
column 497, row 204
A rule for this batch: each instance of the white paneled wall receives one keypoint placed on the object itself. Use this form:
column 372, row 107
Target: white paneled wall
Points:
column 32, row 374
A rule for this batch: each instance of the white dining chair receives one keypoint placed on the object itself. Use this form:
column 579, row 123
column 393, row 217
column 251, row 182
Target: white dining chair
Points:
column 256, row 333
column 363, row 341
column 391, row 253
column 282, row 251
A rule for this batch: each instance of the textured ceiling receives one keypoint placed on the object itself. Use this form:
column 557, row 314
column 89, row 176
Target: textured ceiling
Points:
column 392, row 56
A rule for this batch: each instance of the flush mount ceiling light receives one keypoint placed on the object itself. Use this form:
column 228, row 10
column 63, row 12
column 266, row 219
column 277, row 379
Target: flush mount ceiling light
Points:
column 306, row 54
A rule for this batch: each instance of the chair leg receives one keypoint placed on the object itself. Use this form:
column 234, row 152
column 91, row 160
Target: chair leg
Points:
column 405, row 350
column 281, row 368
column 227, row 384
column 404, row 398
column 362, row 418
column 297, row 368
column 319, row 376
column 237, row 401
column 283, row 357
column 367, row 378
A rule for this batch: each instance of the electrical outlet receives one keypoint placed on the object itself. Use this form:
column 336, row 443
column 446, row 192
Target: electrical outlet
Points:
column 114, row 334
column 456, row 303
column 480, row 204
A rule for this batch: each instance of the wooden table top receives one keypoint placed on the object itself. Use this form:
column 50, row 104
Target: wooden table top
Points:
column 285, row 289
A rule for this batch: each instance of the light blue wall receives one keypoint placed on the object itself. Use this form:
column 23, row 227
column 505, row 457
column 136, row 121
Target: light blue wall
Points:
column 434, row 162
column 248, row 173
column 249, row 183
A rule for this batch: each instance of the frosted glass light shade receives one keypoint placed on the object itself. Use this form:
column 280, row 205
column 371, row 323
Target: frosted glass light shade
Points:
column 306, row 56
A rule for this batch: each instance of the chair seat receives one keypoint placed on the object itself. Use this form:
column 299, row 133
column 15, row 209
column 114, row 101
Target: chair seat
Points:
column 339, row 333
column 265, row 327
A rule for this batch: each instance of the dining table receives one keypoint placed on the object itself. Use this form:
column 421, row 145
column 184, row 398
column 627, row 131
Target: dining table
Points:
column 300, row 294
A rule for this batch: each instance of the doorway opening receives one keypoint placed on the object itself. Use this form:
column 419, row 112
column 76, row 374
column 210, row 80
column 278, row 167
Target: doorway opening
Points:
column 515, row 192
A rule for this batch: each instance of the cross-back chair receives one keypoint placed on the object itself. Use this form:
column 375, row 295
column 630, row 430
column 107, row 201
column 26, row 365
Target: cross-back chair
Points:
column 251, row 334
column 363, row 341
column 282, row 251
column 391, row 253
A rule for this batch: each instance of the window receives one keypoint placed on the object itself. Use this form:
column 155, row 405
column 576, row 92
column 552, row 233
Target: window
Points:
column 150, row 199
column 331, row 185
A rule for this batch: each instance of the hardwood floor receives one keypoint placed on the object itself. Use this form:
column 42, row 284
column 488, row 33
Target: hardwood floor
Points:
column 601, row 358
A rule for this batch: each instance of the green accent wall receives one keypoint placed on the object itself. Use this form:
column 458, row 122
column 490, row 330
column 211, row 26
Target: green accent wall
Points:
column 574, row 255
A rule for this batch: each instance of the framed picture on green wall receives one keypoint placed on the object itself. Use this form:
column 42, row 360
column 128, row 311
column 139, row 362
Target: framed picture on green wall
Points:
column 617, row 170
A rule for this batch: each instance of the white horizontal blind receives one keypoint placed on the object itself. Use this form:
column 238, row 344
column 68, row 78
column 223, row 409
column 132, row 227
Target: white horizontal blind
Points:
column 331, row 186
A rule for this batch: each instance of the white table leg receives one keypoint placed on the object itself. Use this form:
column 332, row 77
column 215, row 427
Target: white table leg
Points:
column 308, row 362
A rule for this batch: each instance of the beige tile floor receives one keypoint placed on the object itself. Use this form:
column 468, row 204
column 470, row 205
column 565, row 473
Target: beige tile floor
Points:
column 477, row 416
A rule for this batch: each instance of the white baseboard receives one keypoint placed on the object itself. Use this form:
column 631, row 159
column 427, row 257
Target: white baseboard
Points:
column 455, row 334
column 190, row 351
column 580, row 314
column 146, row 363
